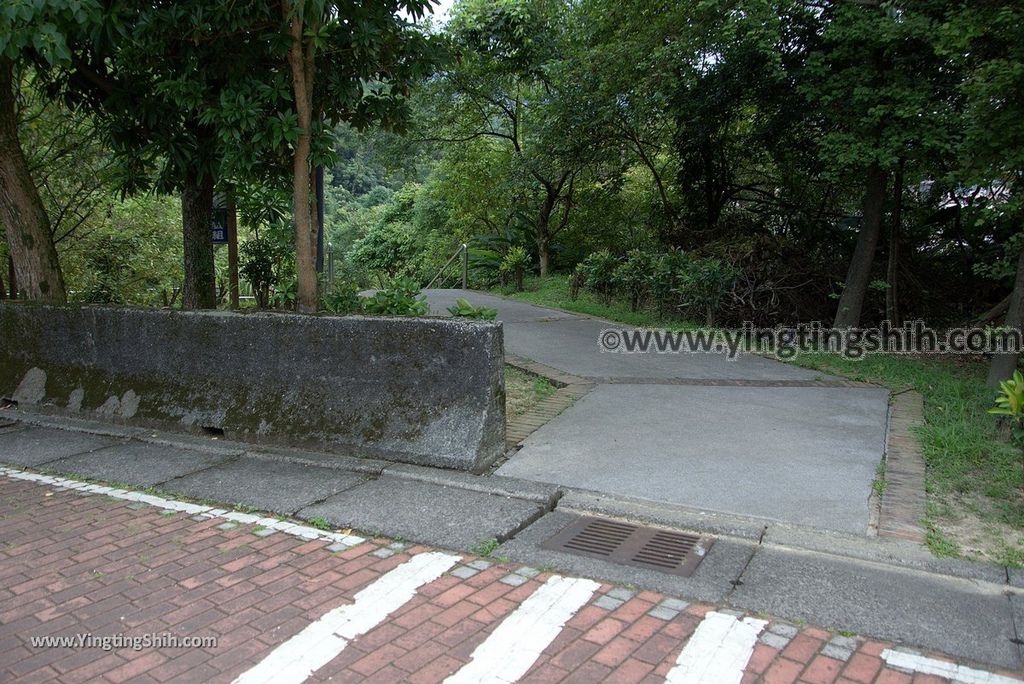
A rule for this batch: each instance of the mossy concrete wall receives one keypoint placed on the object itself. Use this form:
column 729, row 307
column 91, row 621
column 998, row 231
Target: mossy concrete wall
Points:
column 425, row 391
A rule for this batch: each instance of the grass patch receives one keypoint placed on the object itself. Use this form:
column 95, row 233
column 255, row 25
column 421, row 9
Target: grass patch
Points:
column 553, row 291
column 974, row 479
column 485, row 547
column 523, row 391
column 319, row 523
column 879, row 483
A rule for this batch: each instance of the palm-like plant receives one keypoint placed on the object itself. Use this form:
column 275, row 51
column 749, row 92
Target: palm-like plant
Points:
column 1010, row 404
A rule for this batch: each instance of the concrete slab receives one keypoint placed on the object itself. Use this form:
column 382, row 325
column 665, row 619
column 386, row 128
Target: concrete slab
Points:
column 136, row 463
column 960, row 617
column 710, row 582
column 32, row 446
column 805, row 455
column 428, row 513
column 275, row 486
column 544, row 494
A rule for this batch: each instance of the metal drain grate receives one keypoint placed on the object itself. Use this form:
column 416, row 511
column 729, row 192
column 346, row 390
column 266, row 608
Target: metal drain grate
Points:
column 642, row 547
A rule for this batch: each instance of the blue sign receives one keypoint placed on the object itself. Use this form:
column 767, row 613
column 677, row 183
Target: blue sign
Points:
column 220, row 226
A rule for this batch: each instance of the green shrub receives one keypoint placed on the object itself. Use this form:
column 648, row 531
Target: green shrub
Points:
column 665, row 278
column 403, row 298
column 633, row 277
column 515, row 263
column 598, row 271
column 284, row 297
column 463, row 309
column 258, row 258
column 703, row 283
column 341, row 298
column 1010, row 406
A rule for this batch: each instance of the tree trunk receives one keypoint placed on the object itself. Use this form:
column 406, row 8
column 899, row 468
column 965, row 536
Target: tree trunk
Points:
column 199, row 288
column 542, row 235
column 3, row 291
column 12, row 277
column 301, row 65
column 232, row 252
column 1003, row 365
column 892, row 293
column 859, row 275
column 22, row 213
column 544, row 255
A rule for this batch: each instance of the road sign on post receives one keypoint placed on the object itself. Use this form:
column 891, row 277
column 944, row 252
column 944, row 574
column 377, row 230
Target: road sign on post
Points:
column 220, row 219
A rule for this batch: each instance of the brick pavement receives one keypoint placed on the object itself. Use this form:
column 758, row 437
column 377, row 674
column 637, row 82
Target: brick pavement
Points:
column 74, row 562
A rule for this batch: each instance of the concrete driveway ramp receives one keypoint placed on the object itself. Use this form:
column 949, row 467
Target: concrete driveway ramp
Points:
column 750, row 437
column 803, row 455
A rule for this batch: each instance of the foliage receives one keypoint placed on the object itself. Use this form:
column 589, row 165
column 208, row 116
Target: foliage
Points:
column 514, row 263
column 1010, row 404
column 285, row 295
column 340, row 298
column 266, row 262
column 633, row 277
column 403, row 298
column 702, row 285
column 464, row 309
column 128, row 253
column 598, row 271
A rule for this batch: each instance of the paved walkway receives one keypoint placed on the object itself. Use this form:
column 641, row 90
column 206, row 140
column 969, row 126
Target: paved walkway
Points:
column 750, row 436
column 105, row 584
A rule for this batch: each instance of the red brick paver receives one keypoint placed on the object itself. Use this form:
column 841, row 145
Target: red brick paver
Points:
column 73, row 564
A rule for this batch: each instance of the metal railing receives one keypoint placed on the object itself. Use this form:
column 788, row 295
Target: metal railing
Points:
column 462, row 251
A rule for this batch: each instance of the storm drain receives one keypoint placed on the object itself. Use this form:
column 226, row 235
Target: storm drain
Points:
column 675, row 553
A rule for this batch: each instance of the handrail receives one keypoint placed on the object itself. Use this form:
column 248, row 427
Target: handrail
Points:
column 463, row 250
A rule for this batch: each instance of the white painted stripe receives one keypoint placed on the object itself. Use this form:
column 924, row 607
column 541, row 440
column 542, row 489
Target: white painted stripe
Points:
column 301, row 531
column 519, row 640
column 320, row 642
column 916, row 662
column 718, row 651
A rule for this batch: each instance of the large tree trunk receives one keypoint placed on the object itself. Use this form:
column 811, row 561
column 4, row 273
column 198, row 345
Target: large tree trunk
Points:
column 1003, row 365
column 892, row 293
column 26, row 224
column 859, row 275
column 300, row 62
column 199, row 288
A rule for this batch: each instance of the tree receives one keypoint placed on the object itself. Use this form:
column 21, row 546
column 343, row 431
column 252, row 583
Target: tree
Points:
column 375, row 57
column 507, row 87
column 37, row 34
column 986, row 40
column 881, row 90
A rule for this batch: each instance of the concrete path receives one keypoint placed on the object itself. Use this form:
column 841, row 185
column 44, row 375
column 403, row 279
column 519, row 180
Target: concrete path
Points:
column 696, row 430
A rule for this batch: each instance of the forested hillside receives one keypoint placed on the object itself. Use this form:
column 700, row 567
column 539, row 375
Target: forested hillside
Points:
column 807, row 157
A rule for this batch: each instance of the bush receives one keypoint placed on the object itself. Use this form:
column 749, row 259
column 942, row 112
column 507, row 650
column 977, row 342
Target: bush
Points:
column 342, row 298
column 464, row 309
column 515, row 263
column 633, row 277
column 266, row 264
column 702, row 285
column 598, row 272
column 666, row 272
column 258, row 268
column 403, row 298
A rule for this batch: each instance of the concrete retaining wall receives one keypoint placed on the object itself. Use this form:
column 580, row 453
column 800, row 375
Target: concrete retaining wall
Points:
column 426, row 391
